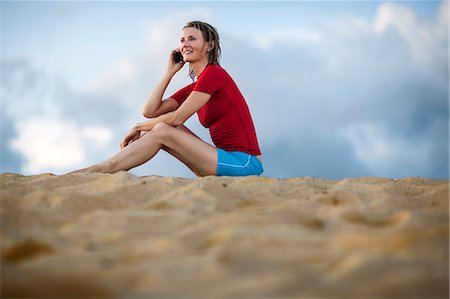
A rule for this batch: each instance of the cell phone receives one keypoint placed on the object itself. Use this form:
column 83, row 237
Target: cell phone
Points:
column 177, row 57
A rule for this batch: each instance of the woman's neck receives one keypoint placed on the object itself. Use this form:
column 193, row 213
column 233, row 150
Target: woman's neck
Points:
column 199, row 66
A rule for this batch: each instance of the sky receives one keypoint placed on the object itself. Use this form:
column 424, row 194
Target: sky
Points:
column 336, row 89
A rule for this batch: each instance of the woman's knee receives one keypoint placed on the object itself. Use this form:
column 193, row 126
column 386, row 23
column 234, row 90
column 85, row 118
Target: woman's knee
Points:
column 161, row 130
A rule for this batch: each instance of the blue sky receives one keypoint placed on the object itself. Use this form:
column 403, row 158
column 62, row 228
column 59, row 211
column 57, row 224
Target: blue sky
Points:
column 336, row 88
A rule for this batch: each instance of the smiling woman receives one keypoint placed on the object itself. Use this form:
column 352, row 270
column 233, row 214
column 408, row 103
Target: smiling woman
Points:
column 216, row 99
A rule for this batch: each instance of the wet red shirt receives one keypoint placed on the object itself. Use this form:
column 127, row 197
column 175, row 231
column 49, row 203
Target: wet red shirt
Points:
column 226, row 114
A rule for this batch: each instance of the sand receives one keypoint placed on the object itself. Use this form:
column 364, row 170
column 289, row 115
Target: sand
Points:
column 121, row 236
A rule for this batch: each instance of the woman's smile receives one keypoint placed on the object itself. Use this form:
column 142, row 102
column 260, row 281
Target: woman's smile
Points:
column 187, row 52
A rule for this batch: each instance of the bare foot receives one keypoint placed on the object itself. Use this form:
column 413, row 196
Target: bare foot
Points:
column 83, row 170
column 104, row 167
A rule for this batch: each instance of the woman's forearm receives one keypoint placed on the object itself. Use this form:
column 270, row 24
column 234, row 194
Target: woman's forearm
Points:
column 168, row 118
column 154, row 100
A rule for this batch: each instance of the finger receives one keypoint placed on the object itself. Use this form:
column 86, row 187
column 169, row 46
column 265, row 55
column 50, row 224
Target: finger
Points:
column 172, row 54
column 124, row 143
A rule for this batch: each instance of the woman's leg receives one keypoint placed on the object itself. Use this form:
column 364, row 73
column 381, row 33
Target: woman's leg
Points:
column 174, row 154
column 198, row 155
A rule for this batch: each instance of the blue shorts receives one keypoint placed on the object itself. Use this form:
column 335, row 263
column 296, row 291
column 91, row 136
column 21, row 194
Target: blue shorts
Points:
column 237, row 164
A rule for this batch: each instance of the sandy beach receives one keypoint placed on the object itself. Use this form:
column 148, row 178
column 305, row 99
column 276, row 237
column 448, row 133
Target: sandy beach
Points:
column 122, row 236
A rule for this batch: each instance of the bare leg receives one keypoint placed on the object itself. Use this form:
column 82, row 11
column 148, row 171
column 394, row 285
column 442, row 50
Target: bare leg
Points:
column 174, row 154
column 198, row 155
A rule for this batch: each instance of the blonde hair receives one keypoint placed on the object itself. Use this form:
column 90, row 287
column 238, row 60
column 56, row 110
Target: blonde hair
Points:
column 211, row 36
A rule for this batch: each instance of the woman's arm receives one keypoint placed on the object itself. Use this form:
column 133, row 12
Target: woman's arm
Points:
column 175, row 118
column 193, row 103
column 167, row 105
column 154, row 102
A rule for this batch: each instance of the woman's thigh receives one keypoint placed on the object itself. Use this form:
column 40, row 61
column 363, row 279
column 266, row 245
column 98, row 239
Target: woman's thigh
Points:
column 196, row 154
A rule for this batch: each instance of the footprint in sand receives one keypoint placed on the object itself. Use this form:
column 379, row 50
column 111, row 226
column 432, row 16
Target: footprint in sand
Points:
column 339, row 198
column 26, row 250
column 375, row 220
column 312, row 223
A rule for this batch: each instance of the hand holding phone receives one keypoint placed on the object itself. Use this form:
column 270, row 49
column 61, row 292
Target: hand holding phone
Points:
column 177, row 57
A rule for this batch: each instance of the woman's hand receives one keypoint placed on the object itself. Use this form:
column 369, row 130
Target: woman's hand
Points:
column 173, row 67
column 131, row 136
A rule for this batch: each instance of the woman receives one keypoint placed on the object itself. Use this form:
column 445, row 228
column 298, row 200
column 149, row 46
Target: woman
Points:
column 220, row 107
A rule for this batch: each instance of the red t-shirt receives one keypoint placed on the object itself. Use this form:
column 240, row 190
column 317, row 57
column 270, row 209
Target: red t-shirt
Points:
column 226, row 114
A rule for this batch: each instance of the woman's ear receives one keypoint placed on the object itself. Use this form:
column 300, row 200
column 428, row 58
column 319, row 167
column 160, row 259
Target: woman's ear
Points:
column 210, row 46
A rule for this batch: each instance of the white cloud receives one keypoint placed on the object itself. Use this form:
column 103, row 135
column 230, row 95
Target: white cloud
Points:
column 443, row 13
column 48, row 144
column 54, row 145
column 349, row 25
column 423, row 37
column 268, row 40
column 383, row 152
column 122, row 71
column 399, row 16
column 97, row 137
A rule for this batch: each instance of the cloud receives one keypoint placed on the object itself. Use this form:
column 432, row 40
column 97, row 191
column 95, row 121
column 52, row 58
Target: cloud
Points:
column 27, row 89
column 123, row 71
column 10, row 160
column 48, row 144
column 45, row 126
column 268, row 40
column 427, row 40
column 382, row 151
column 316, row 152
column 97, row 137
column 54, row 145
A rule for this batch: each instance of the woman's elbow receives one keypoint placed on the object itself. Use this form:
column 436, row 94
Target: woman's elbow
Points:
column 147, row 114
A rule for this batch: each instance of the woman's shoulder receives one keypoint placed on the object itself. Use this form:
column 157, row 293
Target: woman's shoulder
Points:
column 216, row 71
column 213, row 78
column 216, row 68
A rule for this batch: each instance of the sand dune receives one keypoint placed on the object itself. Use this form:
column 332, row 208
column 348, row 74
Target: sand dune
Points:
column 121, row 236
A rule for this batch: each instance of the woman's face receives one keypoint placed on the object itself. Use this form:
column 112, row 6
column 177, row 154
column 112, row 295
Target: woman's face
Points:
column 192, row 45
